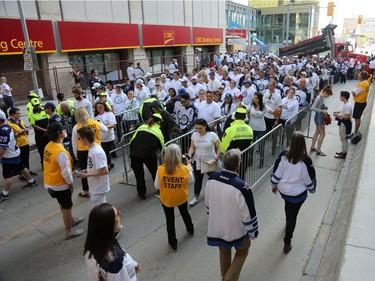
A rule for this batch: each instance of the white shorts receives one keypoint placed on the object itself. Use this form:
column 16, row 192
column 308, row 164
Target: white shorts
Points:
column 97, row 199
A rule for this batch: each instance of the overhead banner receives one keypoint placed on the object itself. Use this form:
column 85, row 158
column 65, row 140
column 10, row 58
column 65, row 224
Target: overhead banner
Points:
column 241, row 33
column 165, row 35
column 207, row 36
column 12, row 39
column 88, row 36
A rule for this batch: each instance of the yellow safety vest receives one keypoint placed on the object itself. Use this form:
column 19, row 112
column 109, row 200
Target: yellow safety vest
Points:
column 52, row 171
column 154, row 129
column 174, row 189
column 238, row 130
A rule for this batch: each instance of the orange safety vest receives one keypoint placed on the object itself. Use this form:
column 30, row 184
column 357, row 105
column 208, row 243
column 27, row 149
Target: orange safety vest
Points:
column 52, row 171
column 95, row 126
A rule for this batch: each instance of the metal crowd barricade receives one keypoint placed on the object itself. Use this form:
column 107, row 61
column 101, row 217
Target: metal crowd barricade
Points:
column 258, row 159
column 125, row 120
column 298, row 122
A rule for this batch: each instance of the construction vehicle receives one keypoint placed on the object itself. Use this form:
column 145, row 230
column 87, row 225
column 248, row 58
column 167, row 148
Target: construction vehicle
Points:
column 322, row 43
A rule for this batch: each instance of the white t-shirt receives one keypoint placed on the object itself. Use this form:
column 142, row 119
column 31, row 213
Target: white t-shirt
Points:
column 248, row 95
column 6, row 90
column 208, row 111
column 196, row 88
column 176, row 84
column 141, row 95
column 346, row 109
column 204, row 147
column 84, row 103
column 257, row 122
column 233, row 92
column 119, row 101
column 272, row 101
column 106, row 119
column 97, row 160
column 131, row 74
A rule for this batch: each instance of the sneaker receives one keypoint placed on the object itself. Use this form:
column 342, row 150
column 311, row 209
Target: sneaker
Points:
column 287, row 248
column 190, row 233
column 77, row 221
column 194, row 201
column 3, row 197
column 74, row 233
column 30, row 184
column 174, row 249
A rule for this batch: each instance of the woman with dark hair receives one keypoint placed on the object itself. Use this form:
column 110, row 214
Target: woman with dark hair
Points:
column 104, row 115
column 171, row 100
column 144, row 147
column 173, row 179
column 203, row 144
column 320, row 112
column 293, row 175
column 105, row 259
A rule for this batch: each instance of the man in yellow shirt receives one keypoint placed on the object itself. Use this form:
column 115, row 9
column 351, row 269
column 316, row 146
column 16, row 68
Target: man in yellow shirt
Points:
column 360, row 97
column 58, row 179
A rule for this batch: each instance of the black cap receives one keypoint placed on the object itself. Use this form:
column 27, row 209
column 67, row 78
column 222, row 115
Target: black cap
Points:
column 54, row 128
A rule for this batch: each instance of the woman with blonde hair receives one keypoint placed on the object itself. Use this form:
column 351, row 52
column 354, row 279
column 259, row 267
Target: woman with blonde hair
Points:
column 81, row 151
column 173, row 179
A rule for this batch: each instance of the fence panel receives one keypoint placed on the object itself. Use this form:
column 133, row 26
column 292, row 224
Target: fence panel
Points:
column 299, row 122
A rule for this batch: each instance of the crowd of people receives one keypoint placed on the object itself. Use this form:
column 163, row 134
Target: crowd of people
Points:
column 230, row 104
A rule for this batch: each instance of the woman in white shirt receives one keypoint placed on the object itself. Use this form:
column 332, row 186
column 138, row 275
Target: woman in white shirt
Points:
column 203, row 144
column 105, row 116
column 159, row 92
column 290, row 107
column 105, row 259
column 130, row 116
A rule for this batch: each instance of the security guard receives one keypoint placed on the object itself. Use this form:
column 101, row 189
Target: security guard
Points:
column 144, row 147
column 29, row 106
column 39, row 121
column 238, row 135
column 145, row 110
column 60, row 99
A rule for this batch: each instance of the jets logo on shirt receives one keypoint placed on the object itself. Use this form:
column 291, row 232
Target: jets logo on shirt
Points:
column 117, row 100
column 261, row 87
column 89, row 162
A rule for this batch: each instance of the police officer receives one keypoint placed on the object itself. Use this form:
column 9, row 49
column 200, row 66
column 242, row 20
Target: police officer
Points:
column 144, row 146
column 238, row 135
column 39, row 121
column 29, row 106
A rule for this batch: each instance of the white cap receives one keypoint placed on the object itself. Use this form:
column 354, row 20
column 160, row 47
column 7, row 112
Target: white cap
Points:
column 2, row 116
column 148, row 74
column 139, row 81
column 96, row 85
column 183, row 79
column 163, row 76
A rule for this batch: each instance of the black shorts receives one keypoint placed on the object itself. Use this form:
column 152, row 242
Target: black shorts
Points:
column 358, row 109
column 64, row 197
column 11, row 170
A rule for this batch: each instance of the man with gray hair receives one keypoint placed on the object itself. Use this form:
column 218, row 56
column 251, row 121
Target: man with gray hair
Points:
column 232, row 218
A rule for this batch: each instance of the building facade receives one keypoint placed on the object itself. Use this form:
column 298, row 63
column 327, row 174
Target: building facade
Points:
column 106, row 35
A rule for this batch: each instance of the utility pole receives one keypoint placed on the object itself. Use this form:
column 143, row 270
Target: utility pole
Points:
column 27, row 41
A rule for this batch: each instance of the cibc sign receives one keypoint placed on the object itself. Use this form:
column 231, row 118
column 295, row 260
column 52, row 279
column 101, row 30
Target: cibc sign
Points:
column 12, row 40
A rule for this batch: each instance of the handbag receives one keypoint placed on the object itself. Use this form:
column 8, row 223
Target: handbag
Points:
column 327, row 119
column 207, row 167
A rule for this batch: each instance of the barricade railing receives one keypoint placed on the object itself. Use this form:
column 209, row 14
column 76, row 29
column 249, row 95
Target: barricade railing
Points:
column 184, row 140
column 125, row 120
column 258, row 159
column 299, row 122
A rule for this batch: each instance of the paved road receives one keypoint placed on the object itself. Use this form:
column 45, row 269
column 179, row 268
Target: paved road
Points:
column 32, row 245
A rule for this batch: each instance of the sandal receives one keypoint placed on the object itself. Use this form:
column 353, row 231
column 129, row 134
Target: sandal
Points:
column 312, row 149
column 321, row 153
column 85, row 195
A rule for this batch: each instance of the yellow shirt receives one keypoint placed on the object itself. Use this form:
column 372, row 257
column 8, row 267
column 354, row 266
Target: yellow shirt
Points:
column 362, row 96
column 174, row 189
column 95, row 126
column 51, row 168
column 21, row 139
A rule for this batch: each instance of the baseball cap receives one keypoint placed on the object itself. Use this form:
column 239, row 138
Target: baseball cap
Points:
column 241, row 110
column 212, row 73
column 32, row 95
column 139, row 81
column 2, row 116
column 163, row 76
column 118, row 86
column 156, row 104
column 95, row 86
column 50, row 105
column 54, row 128
column 103, row 94
column 183, row 79
column 228, row 96
column 239, row 97
column 148, row 74
column 35, row 101
column 194, row 78
column 222, row 87
column 303, row 73
column 157, row 116
column 184, row 96
column 181, row 91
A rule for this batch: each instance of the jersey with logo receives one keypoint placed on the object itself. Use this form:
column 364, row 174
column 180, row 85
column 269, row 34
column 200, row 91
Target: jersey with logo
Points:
column 8, row 142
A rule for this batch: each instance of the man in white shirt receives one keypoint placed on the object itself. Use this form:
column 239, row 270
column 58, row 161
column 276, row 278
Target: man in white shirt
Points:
column 81, row 101
column 131, row 74
column 166, row 85
column 173, row 66
column 140, row 91
column 188, row 89
column 176, row 84
column 119, row 100
column 248, row 92
column 208, row 109
column 213, row 84
column 236, row 76
column 138, row 71
column 273, row 100
column 261, row 82
column 196, row 86
column 149, row 82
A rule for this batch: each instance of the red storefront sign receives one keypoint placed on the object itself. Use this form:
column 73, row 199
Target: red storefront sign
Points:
column 237, row 33
column 12, row 39
column 207, row 36
column 88, row 36
column 165, row 35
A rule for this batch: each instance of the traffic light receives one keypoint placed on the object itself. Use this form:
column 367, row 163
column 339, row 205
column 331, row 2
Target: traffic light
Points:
column 360, row 19
column 331, row 7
